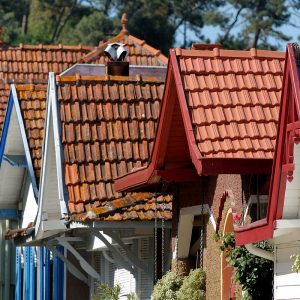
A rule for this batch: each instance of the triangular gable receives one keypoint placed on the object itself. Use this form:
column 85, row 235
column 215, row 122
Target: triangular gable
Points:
column 283, row 165
column 14, row 147
column 176, row 99
column 140, row 53
column 52, row 207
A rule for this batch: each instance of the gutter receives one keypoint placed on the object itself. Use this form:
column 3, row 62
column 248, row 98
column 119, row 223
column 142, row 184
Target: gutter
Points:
column 260, row 252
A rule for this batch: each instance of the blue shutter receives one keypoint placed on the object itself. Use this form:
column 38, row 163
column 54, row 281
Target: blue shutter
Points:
column 47, row 275
column 18, row 292
column 58, row 276
column 27, row 272
column 42, row 276
column 32, row 273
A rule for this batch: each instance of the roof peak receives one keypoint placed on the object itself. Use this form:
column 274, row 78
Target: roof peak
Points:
column 124, row 22
column 217, row 52
column 77, row 79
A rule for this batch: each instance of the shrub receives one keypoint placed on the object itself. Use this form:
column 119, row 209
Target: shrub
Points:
column 105, row 292
column 193, row 286
column 167, row 287
column 253, row 273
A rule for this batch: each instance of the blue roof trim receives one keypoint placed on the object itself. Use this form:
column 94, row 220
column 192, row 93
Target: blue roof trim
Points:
column 6, row 125
column 10, row 214
column 25, row 142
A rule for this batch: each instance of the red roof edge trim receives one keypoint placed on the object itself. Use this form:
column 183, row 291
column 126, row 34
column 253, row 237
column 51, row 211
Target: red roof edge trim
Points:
column 194, row 150
column 142, row 177
column 134, row 179
column 215, row 166
column 283, row 158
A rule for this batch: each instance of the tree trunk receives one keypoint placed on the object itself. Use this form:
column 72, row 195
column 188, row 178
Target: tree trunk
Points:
column 256, row 37
column 24, row 24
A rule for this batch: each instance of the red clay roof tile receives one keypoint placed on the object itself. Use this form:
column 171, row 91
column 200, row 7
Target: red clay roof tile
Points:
column 108, row 128
column 233, row 99
column 34, row 62
column 32, row 99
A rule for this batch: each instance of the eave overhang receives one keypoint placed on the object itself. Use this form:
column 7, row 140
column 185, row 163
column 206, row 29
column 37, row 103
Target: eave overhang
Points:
column 202, row 166
column 283, row 164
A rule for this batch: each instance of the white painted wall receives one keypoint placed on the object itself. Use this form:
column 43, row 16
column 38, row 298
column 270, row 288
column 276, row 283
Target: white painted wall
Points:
column 291, row 208
column 11, row 178
column 286, row 238
column 30, row 209
column 286, row 282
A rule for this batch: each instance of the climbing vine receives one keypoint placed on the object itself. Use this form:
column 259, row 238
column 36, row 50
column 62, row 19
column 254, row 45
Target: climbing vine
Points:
column 296, row 264
column 253, row 273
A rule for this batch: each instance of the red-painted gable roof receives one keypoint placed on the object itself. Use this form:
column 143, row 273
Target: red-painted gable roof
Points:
column 283, row 166
column 233, row 100
column 220, row 111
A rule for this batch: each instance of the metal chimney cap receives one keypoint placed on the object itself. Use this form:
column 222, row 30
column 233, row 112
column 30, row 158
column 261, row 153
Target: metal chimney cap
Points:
column 116, row 51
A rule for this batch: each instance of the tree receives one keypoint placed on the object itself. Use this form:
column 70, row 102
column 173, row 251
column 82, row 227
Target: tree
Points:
column 13, row 19
column 257, row 20
column 90, row 30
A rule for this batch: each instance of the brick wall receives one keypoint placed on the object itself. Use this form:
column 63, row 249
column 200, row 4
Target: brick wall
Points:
column 210, row 190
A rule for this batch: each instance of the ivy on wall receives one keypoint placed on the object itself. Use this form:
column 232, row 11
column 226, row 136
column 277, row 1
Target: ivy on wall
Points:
column 253, row 273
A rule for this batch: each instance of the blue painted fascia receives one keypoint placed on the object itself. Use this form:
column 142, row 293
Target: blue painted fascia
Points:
column 18, row 161
column 6, row 125
column 10, row 214
column 25, row 142
column 13, row 101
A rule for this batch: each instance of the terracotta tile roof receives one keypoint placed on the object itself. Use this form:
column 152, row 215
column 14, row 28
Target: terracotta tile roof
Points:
column 34, row 62
column 233, row 99
column 32, row 99
column 135, row 206
column 108, row 128
column 139, row 52
column 19, row 232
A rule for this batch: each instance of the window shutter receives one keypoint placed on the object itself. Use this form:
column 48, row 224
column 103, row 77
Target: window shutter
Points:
column 145, row 283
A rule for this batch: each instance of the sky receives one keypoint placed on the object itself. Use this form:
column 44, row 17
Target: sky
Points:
column 213, row 31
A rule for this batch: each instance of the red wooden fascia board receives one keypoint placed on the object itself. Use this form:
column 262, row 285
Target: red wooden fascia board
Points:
column 178, row 175
column 134, row 179
column 142, row 177
column 257, row 231
column 193, row 148
column 215, row 166
column 260, row 231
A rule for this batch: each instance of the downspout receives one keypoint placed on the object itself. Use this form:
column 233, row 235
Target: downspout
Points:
column 260, row 252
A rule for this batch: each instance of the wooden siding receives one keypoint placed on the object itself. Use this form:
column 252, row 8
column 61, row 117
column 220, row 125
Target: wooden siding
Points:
column 292, row 193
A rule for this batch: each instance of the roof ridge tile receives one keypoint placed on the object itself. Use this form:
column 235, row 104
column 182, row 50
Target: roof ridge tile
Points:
column 107, row 78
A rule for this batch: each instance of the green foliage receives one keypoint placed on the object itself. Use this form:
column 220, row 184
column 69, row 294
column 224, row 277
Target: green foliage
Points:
column 193, row 286
column 167, row 287
column 105, row 292
column 253, row 273
column 108, row 293
column 242, row 23
column 257, row 20
column 172, row 287
column 296, row 264
column 87, row 31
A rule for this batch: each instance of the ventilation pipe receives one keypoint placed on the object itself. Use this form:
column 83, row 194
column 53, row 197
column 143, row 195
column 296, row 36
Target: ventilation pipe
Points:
column 117, row 53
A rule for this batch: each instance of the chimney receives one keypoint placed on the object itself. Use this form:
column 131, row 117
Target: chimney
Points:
column 205, row 46
column 117, row 53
